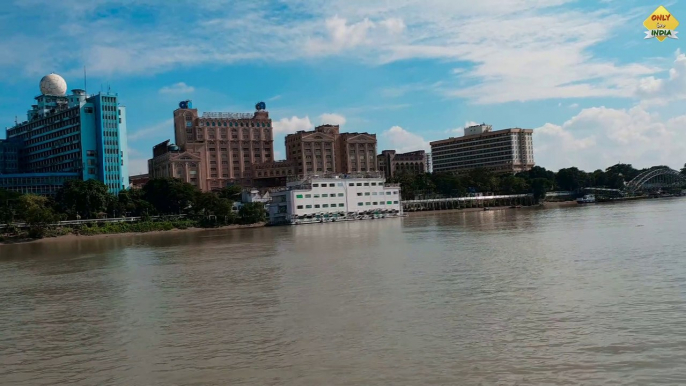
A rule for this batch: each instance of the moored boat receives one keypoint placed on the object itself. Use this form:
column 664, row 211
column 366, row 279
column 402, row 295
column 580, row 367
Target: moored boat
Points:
column 586, row 199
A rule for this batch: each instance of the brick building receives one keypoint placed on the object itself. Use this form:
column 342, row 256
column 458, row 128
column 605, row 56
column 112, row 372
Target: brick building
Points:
column 326, row 150
column 392, row 163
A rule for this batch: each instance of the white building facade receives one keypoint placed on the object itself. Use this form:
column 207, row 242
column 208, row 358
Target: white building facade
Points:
column 509, row 150
column 340, row 198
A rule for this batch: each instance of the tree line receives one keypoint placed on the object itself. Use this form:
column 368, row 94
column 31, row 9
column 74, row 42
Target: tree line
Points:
column 80, row 200
column 538, row 181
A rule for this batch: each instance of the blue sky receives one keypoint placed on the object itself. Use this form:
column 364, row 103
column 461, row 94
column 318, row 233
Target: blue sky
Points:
column 578, row 72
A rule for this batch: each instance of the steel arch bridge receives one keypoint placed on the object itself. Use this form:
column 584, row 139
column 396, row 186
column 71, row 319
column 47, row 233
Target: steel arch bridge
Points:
column 655, row 179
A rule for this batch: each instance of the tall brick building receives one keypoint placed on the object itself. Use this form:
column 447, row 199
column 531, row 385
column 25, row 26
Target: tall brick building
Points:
column 225, row 145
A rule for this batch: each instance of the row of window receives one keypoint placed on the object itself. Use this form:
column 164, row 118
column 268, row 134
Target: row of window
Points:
column 229, row 124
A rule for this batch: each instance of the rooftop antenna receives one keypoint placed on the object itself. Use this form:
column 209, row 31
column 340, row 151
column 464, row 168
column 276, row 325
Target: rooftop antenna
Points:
column 85, row 81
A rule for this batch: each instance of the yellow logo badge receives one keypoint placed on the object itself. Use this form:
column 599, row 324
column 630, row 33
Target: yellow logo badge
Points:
column 661, row 25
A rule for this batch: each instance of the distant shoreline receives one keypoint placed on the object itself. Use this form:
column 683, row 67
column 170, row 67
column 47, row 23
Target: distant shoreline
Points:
column 73, row 237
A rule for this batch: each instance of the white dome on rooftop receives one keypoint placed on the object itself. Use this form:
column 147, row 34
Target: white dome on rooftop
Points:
column 53, row 84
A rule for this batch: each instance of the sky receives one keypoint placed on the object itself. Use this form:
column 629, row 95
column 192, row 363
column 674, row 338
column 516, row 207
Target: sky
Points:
column 579, row 73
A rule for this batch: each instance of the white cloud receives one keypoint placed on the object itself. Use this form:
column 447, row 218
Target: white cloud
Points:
column 401, row 140
column 177, row 88
column 512, row 62
column 574, row 106
column 292, row 125
column 600, row 137
column 661, row 90
column 158, row 130
column 342, row 35
column 274, row 98
column 332, row 119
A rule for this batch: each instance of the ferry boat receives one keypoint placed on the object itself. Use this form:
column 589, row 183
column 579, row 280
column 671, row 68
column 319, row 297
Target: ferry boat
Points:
column 586, row 199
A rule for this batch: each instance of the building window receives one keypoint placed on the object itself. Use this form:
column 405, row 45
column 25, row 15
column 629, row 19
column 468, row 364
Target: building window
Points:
column 367, row 203
column 325, row 205
column 359, row 184
column 340, row 194
column 351, row 184
column 325, row 195
column 341, row 205
column 316, row 206
column 388, row 193
column 359, row 194
column 366, row 193
column 299, row 196
column 308, row 196
column 389, row 202
column 366, row 184
column 332, row 185
column 373, row 183
column 315, row 185
column 360, row 204
column 308, row 206
column 376, row 203
column 316, row 196
column 300, row 207
column 395, row 202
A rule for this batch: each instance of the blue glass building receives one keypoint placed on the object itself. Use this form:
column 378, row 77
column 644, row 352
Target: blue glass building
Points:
column 67, row 137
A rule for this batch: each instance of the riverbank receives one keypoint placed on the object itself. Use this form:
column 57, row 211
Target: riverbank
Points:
column 80, row 236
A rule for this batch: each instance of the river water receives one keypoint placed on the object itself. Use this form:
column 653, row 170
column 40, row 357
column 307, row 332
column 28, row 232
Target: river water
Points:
column 591, row 295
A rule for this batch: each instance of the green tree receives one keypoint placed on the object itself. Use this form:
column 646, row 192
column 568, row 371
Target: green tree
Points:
column 8, row 205
column 683, row 170
column 482, row 180
column 448, row 185
column 210, row 204
column 252, row 213
column 131, row 203
column 599, row 178
column 170, row 195
column 510, row 184
column 83, row 198
column 571, row 179
column 37, row 212
column 625, row 170
column 539, row 187
column 231, row 192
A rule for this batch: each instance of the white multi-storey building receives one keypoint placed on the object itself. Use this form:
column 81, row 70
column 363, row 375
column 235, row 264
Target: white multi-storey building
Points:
column 509, row 150
column 337, row 198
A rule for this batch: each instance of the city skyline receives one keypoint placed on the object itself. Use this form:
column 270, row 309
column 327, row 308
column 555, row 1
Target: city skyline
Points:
column 594, row 91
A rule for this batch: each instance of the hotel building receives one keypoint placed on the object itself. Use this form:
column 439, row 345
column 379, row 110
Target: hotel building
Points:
column 341, row 197
column 66, row 137
column 506, row 151
column 326, row 150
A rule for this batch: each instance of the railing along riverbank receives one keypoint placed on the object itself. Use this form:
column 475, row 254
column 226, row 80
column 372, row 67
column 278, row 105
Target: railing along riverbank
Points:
column 468, row 202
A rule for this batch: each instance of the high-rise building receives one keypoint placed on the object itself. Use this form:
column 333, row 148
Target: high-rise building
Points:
column 391, row 163
column 67, row 137
column 509, row 150
column 214, row 149
column 326, row 150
